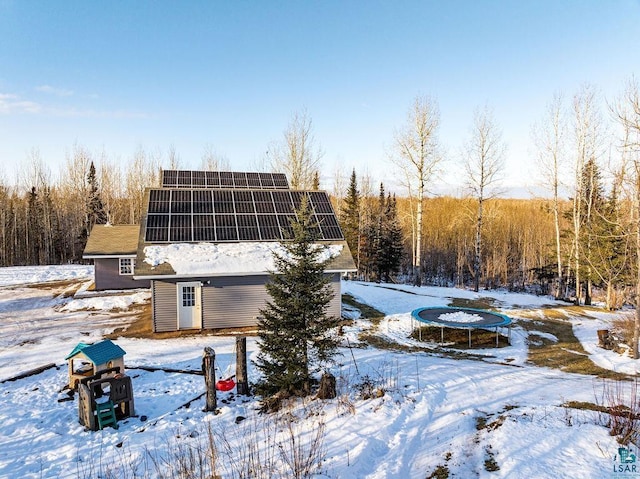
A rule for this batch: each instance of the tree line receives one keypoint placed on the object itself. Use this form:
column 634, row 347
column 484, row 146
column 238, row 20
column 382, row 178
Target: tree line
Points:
column 584, row 235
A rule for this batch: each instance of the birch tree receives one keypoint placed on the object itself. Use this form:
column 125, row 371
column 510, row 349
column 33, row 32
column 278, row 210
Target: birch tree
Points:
column 627, row 112
column 417, row 155
column 296, row 154
column 484, row 163
column 212, row 160
column 550, row 138
column 588, row 137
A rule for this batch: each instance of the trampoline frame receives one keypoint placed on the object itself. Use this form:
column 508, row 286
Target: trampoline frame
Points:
column 504, row 320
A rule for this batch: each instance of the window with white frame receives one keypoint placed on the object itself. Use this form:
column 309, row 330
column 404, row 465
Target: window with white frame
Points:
column 127, row 265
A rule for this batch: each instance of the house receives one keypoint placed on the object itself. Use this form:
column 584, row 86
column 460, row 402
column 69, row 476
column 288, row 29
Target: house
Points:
column 113, row 251
column 87, row 359
column 206, row 241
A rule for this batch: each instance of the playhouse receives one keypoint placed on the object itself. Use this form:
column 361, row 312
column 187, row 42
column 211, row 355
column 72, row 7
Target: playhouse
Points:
column 87, row 359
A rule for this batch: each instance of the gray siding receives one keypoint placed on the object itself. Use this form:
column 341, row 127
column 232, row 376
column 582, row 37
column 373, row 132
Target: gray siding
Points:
column 107, row 276
column 227, row 302
column 164, row 306
column 233, row 301
column 335, row 307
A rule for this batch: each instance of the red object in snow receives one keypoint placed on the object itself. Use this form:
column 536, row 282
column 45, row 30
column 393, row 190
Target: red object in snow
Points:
column 225, row 384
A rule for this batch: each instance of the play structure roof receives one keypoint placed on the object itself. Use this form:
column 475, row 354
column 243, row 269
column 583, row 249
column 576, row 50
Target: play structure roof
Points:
column 98, row 353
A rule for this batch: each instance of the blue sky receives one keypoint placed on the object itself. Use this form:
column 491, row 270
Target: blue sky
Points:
column 122, row 75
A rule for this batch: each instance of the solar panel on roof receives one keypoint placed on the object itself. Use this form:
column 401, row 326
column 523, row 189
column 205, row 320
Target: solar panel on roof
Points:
column 226, row 179
column 280, row 180
column 267, row 180
column 184, row 179
column 184, row 215
column 169, row 178
column 253, row 180
column 223, row 179
column 213, row 179
column 199, row 179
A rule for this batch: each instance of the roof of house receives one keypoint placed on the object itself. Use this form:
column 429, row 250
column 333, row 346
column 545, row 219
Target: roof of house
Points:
column 205, row 231
column 112, row 240
column 229, row 259
column 98, row 353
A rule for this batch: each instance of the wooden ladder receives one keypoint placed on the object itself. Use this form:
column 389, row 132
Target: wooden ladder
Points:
column 106, row 415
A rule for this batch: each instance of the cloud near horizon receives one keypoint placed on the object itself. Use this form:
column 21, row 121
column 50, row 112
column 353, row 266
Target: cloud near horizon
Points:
column 11, row 103
column 54, row 91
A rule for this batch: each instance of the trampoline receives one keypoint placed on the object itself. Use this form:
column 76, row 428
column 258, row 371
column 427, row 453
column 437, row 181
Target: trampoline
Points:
column 461, row 318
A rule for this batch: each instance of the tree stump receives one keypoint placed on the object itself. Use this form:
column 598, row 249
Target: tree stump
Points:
column 208, row 369
column 327, row 389
column 604, row 339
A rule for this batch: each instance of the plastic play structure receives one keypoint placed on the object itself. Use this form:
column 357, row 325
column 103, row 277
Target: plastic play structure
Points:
column 444, row 317
column 105, row 398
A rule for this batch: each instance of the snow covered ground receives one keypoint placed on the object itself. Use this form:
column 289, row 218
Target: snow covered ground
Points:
column 500, row 417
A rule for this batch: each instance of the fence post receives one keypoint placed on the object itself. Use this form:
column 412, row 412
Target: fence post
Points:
column 242, row 382
column 208, row 369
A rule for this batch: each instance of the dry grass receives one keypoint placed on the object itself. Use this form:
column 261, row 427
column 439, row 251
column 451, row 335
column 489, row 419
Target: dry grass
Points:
column 477, row 303
column 567, row 353
column 367, row 312
column 459, row 338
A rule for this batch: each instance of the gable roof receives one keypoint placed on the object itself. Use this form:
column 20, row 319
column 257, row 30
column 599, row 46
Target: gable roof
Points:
column 98, row 353
column 111, row 240
column 226, row 231
column 228, row 259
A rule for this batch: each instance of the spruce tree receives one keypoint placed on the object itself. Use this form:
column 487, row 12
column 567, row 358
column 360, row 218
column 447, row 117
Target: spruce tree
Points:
column 295, row 332
column 96, row 213
column 391, row 241
column 350, row 217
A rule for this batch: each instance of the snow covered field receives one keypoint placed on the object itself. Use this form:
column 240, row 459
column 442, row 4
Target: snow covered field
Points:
column 500, row 417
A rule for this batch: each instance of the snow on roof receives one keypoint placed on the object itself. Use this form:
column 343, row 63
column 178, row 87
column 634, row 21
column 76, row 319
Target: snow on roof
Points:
column 192, row 259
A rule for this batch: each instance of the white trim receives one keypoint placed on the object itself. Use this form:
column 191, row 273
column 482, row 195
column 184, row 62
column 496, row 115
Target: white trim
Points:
column 131, row 265
column 108, row 256
column 195, row 310
column 221, row 275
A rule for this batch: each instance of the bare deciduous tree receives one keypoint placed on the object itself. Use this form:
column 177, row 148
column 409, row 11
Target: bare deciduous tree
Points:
column 297, row 155
column 484, row 163
column 588, row 141
column 417, row 155
column 627, row 112
column 212, row 160
column 550, row 138
column 143, row 171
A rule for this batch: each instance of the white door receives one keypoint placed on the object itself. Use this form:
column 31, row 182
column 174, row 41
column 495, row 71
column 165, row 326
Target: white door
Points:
column 189, row 305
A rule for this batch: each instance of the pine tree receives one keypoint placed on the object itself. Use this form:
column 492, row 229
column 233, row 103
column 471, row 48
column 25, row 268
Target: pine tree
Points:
column 315, row 182
column 593, row 200
column 295, row 331
column 350, row 217
column 391, row 242
column 35, row 228
column 96, row 214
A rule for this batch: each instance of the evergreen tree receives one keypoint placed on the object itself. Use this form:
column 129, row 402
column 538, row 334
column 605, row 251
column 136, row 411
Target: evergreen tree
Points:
column 96, row 214
column 391, row 243
column 593, row 199
column 609, row 248
column 35, row 228
column 350, row 217
column 295, row 336
column 315, row 182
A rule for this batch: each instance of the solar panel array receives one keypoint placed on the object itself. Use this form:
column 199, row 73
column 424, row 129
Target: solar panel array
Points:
column 224, row 215
column 223, row 179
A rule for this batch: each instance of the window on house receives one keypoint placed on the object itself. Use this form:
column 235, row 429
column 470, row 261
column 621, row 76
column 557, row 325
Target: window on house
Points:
column 127, row 265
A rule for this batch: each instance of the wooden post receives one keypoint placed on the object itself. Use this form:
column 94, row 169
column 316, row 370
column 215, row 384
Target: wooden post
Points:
column 208, row 369
column 242, row 381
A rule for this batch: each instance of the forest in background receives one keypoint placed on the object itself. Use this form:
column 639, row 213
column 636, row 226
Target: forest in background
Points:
column 570, row 246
